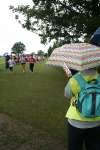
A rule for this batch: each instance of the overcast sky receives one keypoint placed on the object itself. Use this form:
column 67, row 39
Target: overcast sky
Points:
column 12, row 32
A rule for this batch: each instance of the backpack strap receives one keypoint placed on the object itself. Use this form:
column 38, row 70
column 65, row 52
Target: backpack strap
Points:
column 98, row 79
column 81, row 81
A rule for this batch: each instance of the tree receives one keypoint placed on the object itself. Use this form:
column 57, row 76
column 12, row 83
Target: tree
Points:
column 40, row 53
column 64, row 21
column 18, row 48
column 51, row 48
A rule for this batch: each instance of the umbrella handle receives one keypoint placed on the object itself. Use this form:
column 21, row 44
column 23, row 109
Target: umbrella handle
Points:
column 67, row 70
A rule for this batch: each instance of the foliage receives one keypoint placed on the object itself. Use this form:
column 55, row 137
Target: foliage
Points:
column 18, row 48
column 40, row 53
column 55, row 45
column 63, row 21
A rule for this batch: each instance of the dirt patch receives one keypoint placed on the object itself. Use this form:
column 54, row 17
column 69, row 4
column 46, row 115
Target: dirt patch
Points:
column 6, row 123
column 17, row 136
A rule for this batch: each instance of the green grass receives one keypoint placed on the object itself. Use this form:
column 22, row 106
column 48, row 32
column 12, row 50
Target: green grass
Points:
column 1, row 60
column 36, row 99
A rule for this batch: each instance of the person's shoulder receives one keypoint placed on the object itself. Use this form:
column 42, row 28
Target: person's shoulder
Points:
column 75, row 87
column 74, row 76
column 73, row 81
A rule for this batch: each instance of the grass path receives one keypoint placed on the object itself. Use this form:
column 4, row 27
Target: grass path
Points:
column 36, row 102
column 1, row 60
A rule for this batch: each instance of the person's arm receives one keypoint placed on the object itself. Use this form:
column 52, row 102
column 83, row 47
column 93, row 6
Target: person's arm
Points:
column 67, row 91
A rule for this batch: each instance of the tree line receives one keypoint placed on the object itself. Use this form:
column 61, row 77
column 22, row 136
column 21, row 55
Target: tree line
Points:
column 60, row 21
column 19, row 48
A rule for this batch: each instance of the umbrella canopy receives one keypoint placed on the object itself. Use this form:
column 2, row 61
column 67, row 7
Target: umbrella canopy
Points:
column 58, row 59
column 77, row 56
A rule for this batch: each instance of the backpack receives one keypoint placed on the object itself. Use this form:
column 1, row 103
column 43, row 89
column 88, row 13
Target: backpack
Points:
column 88, row 99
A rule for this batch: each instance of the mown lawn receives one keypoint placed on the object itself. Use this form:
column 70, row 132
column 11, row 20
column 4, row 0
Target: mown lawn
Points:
column 36, row 102
column 1, row 60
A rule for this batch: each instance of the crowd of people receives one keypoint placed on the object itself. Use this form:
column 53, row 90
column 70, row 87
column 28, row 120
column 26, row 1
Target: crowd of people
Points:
column 12, row 60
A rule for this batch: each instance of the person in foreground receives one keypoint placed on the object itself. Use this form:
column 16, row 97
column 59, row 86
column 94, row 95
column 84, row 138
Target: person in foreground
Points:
column 83, row 90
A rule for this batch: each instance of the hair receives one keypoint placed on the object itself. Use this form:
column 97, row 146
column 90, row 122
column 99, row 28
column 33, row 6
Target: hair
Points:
column 98, row 69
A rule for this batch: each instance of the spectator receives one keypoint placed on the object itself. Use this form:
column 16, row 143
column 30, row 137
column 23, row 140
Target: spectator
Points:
column 11, row 63
column 7, row 57
column 23, row 62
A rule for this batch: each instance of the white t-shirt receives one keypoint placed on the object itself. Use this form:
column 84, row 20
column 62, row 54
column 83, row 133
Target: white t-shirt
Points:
column 11, row 62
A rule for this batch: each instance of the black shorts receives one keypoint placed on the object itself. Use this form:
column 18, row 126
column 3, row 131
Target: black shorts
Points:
column 77, row 137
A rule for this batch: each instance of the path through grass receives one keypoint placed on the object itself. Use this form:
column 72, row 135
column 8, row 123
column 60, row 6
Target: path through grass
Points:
column 35, row 101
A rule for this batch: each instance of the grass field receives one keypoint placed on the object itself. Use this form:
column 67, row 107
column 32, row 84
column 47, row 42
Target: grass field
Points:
column 1, row 60
column 32, row 108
